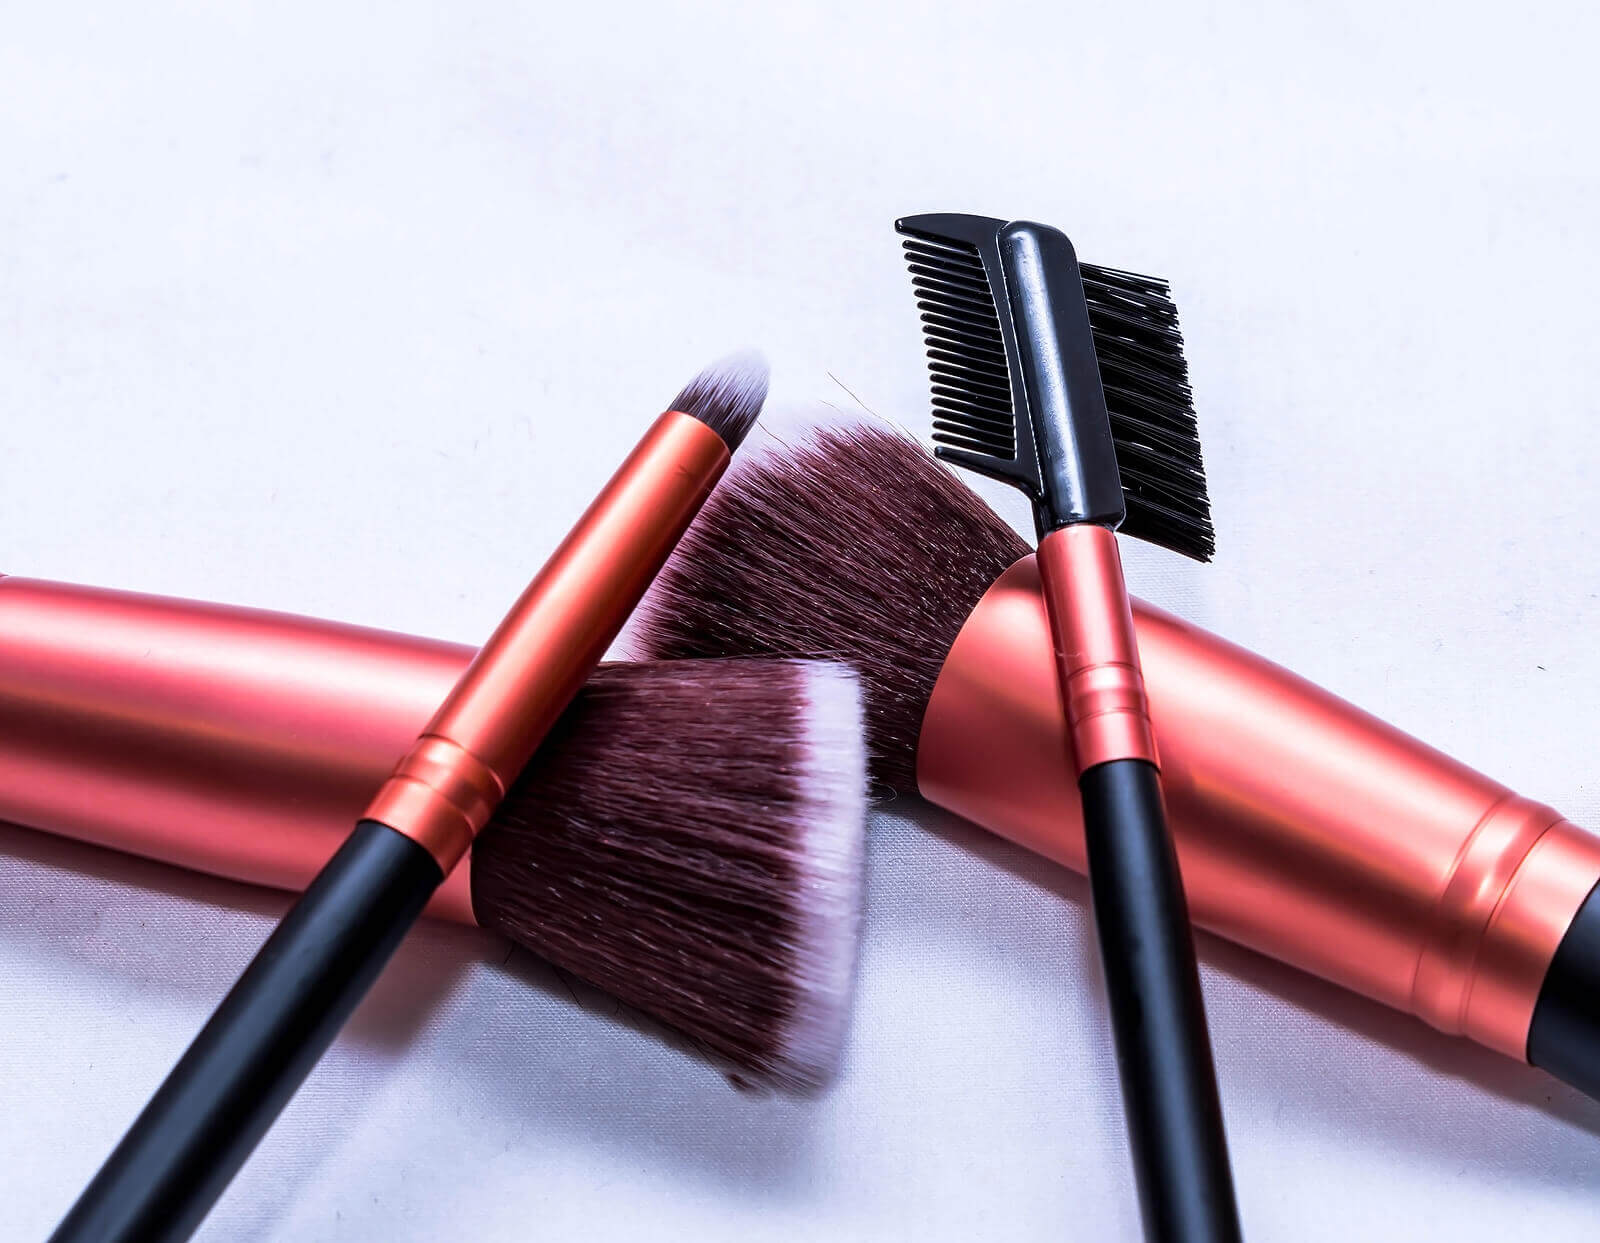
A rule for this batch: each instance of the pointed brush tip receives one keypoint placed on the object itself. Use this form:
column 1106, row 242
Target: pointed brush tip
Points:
column 728, row 395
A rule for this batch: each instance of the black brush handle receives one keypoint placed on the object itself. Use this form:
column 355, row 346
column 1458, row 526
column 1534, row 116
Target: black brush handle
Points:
column 248, row 1060
column 1169, row 1086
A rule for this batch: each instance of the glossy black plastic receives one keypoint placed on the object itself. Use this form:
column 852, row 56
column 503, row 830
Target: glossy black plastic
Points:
column 1060, row 374
column 1064, row 456
column 1169, row 1086
column 1564, row 1037
column 263, row 1040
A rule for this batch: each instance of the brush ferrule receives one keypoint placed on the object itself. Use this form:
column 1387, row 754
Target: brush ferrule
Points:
column 1108, row 714
column 1057, row 385
column 525, row 675
column 440, row 795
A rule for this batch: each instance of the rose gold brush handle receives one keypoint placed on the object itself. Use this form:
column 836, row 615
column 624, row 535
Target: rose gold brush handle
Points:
column 447, row 786
column 234, row 741
column 1307, row 829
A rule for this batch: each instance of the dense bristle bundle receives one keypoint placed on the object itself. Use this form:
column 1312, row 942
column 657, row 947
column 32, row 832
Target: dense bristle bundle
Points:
column 853, row 545
column 727, row 396
column 1146, row 382
column 689, row 840
column 966, row 351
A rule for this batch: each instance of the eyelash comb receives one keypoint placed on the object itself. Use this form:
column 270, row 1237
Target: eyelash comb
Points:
column 1098, row 440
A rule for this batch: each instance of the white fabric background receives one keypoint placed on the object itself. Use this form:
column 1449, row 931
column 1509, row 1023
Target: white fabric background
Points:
column 348, row 309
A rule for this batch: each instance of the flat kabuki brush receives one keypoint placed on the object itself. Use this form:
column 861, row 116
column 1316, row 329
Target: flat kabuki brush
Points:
column 1308, row 830
column 1018, row 397
column 688, row 837
column 269, row 1031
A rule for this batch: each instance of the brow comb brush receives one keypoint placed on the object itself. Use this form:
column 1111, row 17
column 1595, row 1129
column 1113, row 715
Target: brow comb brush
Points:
column 1097, row 441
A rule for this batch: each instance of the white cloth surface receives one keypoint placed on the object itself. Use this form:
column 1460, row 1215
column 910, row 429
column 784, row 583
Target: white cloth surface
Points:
column 347, row 310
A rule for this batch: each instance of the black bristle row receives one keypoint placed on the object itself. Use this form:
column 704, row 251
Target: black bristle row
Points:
column 1146, row 382
column 972, row 407
column 1142, row 372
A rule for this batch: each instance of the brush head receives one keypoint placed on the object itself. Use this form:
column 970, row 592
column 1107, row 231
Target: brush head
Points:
column 853, row 545
column 1064, row 379
column 1146, row 382
column 727, row 396
column 689, row 839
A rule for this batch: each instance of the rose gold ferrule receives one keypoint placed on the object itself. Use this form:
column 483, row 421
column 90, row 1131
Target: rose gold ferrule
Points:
column 1306, row 829
column 445, row 789
column 1096, row 652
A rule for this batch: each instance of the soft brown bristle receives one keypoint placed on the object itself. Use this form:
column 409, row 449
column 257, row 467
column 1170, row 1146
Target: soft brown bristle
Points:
column 689, row 840
column 727, row 396
column 855, row 545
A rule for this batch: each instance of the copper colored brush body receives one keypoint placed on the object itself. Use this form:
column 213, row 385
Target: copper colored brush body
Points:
column 447, row 786
column 688, row 838
column 1308, row 829
column 156, row 726
column 285, row 1010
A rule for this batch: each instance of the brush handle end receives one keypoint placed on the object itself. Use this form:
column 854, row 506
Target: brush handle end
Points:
column 1169, row 1085
column 256, row 1049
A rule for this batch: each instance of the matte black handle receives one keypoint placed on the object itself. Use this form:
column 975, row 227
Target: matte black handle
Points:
column 248, row 1060
column 1169, row 1086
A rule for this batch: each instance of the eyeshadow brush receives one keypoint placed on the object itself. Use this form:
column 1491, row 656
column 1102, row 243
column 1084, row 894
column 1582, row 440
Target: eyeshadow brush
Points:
column 225, row 1092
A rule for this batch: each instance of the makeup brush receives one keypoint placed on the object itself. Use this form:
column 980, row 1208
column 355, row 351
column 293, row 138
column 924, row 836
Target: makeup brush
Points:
column 294, row 997
column 1019, row 395
column 1309, row 831
column 688, row 839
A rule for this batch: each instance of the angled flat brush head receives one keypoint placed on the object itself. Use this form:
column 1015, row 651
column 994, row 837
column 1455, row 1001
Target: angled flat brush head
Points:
column 853, row 544
column 1062, row 378
column 689, row 839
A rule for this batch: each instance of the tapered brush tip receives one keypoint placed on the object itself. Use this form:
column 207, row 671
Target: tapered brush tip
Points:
column 727, row 396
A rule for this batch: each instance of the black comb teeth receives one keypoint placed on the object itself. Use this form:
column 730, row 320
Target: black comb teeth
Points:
column 1143, row 375
column 966, row 352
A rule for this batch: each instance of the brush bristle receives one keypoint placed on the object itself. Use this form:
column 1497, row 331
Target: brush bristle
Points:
column 689, row 840
column 727, row 396
column 832, row 771
column 1146, row 382
column 853, row 545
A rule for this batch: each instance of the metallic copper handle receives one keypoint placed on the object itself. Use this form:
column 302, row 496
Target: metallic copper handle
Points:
column 1097, row 655
column 444, row 790
column 1307, row 829
column 233, row 741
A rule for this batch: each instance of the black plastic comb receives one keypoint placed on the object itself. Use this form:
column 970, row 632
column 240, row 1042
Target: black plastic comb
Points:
column 1069, row 383
column 1139, row 370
